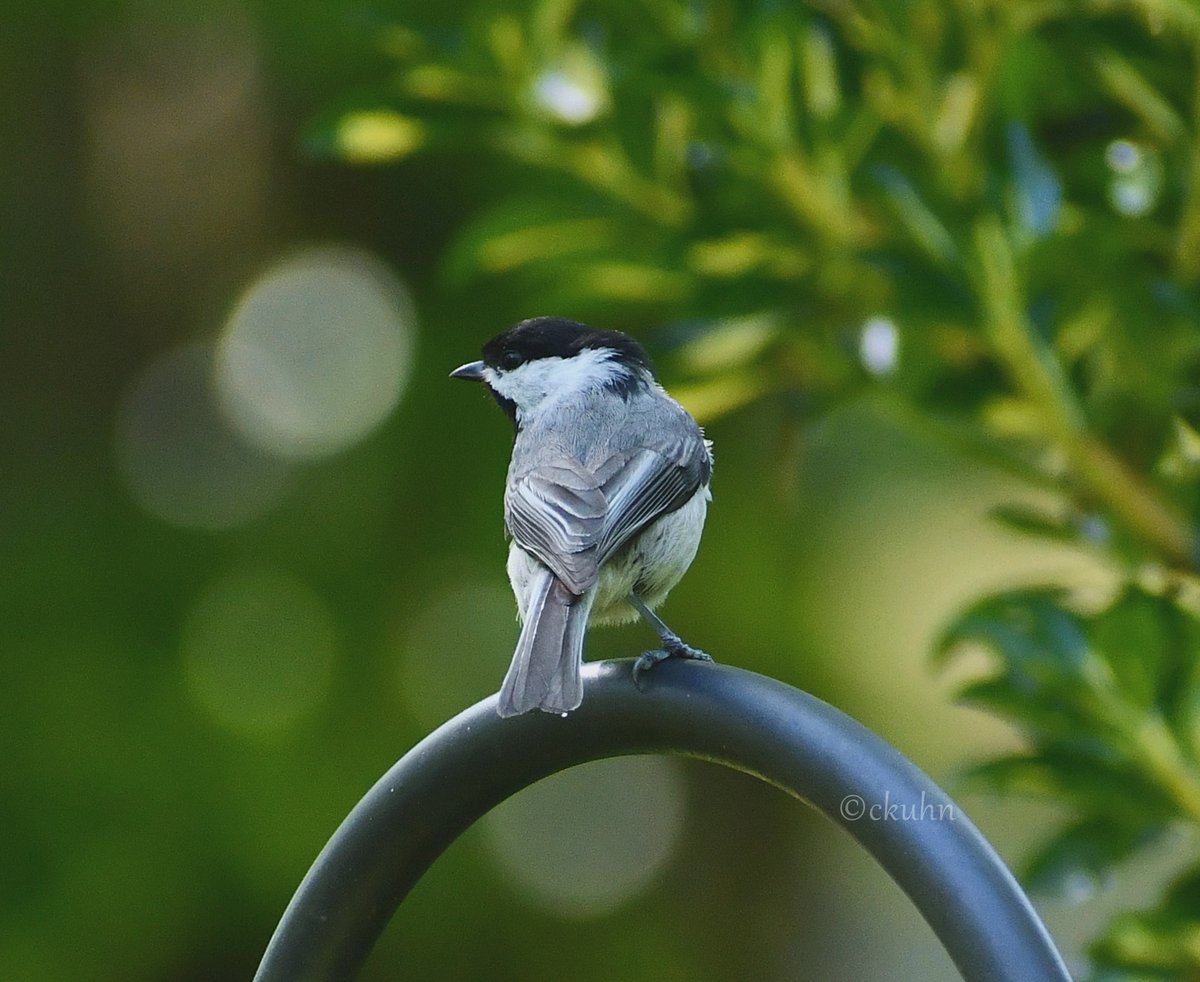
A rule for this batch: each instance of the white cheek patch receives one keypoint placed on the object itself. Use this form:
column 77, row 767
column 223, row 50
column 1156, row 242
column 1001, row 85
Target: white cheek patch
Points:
column 526, row 385
column 532, row 383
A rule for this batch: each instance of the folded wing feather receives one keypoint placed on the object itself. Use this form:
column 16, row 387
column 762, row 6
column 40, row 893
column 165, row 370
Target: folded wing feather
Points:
column 573, row 518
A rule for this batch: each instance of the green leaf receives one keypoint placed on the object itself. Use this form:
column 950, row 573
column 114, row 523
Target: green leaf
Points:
column 1077, row 861
column 1040, row 642
column 724, row 394
column 1132, row 637
column 377, row 136
column 1165, row 940
column 917, row 218
column 728, row 343
column 627, row 281
column 1043, row 714
column 1181, row 460
column 738, row 253
column 1035, row 521
column 1179, row 681
column 1088, row 777
column 529, row 232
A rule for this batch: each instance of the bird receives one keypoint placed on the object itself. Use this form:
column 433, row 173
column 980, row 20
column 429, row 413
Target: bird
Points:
column 605, row 499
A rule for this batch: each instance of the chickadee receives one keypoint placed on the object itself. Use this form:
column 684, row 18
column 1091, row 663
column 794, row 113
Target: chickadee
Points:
column 605, row 499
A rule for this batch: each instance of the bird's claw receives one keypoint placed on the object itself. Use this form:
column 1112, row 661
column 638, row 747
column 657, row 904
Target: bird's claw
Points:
column 672, row 648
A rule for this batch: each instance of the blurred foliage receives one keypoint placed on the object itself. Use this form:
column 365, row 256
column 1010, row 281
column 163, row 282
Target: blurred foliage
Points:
column 991, row 208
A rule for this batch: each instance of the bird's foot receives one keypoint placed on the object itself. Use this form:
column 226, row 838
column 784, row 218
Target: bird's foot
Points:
column 673, row 647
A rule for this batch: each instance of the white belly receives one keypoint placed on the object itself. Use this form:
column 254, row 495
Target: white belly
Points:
column 650, row 565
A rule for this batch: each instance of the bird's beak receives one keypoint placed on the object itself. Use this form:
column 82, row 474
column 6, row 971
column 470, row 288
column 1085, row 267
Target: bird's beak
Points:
column 472, row 371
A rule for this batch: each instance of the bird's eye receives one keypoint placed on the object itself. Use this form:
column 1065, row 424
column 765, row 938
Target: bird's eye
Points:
column 511, row 359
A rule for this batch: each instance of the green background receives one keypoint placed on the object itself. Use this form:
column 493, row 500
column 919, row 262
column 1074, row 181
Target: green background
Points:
column 160, row 797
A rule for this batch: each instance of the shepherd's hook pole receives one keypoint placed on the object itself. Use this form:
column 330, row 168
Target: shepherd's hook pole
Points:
column 714, row 712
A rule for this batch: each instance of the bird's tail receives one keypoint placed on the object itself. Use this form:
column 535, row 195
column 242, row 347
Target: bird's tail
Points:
column 544, row 673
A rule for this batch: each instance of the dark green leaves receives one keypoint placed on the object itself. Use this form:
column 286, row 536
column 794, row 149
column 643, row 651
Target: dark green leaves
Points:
column 1163, row 943
column 1106, row 704
column 1079, row 858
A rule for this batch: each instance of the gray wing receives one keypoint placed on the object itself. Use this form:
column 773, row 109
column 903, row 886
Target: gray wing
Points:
column 556, row 512
column 652, row 483
column 573, row 518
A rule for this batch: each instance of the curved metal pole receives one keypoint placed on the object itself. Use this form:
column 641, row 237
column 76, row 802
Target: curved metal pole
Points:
column 713, row 712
